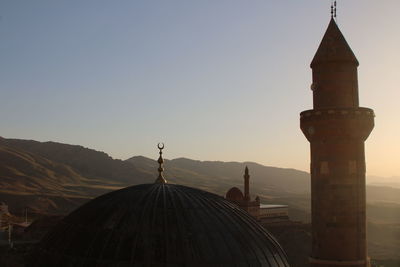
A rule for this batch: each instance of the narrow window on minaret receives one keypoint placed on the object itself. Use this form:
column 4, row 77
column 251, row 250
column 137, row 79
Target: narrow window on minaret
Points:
column 352, row 167
column 324, row 169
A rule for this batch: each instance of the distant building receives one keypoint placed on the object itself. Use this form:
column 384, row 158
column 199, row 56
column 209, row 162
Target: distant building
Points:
column 273, row 213
column 7, row 219
column 4, row 216
column 4, row 209
column 264, row 213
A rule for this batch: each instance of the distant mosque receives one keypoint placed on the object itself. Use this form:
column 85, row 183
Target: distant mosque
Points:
column 162, row 224
column 263, row 213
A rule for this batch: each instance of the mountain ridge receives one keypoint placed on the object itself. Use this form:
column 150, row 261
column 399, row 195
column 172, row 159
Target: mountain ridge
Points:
column 55, row 178
column 50, row 169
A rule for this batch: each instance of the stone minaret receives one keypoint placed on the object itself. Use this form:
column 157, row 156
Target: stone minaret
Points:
column 336, row 129
column 246, row 184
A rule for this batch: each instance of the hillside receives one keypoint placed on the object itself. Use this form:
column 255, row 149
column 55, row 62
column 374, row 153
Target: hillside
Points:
column 393, row 181
column 87, row 162
column 56, row 178
column 218, row 176
column 54, row 170
column 30, row 180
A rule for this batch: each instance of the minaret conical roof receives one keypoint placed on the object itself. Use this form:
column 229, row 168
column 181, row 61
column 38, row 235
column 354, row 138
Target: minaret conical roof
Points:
column 333, row 47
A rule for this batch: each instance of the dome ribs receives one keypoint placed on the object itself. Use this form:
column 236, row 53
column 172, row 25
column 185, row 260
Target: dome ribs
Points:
column 159, row 225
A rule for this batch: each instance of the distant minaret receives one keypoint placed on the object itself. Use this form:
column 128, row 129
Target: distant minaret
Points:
column 336, row 129
column 246, row 184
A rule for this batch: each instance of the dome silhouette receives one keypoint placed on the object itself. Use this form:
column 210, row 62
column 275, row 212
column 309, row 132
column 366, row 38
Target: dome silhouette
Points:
column 234, row 194
column 159, row 225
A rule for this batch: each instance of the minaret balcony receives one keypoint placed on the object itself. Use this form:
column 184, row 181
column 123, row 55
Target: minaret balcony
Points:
column 337, row 123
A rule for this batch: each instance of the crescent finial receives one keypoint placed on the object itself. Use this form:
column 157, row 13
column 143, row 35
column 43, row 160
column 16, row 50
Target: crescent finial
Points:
column 160, row 147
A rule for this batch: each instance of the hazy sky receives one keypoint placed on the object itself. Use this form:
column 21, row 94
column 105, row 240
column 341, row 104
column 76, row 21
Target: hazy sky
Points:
column 214, row 80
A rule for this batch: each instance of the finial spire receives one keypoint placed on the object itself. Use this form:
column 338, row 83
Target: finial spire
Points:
column 333, row 47
column 160, row 161
column 333, row 9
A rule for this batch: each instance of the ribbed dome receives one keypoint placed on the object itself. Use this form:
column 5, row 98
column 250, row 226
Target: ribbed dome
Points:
column 159, row 225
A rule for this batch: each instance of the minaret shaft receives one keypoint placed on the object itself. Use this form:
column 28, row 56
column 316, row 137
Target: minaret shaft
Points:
column 246, row 185
column 336, row 129
column 338, row 200
column 335, row 85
